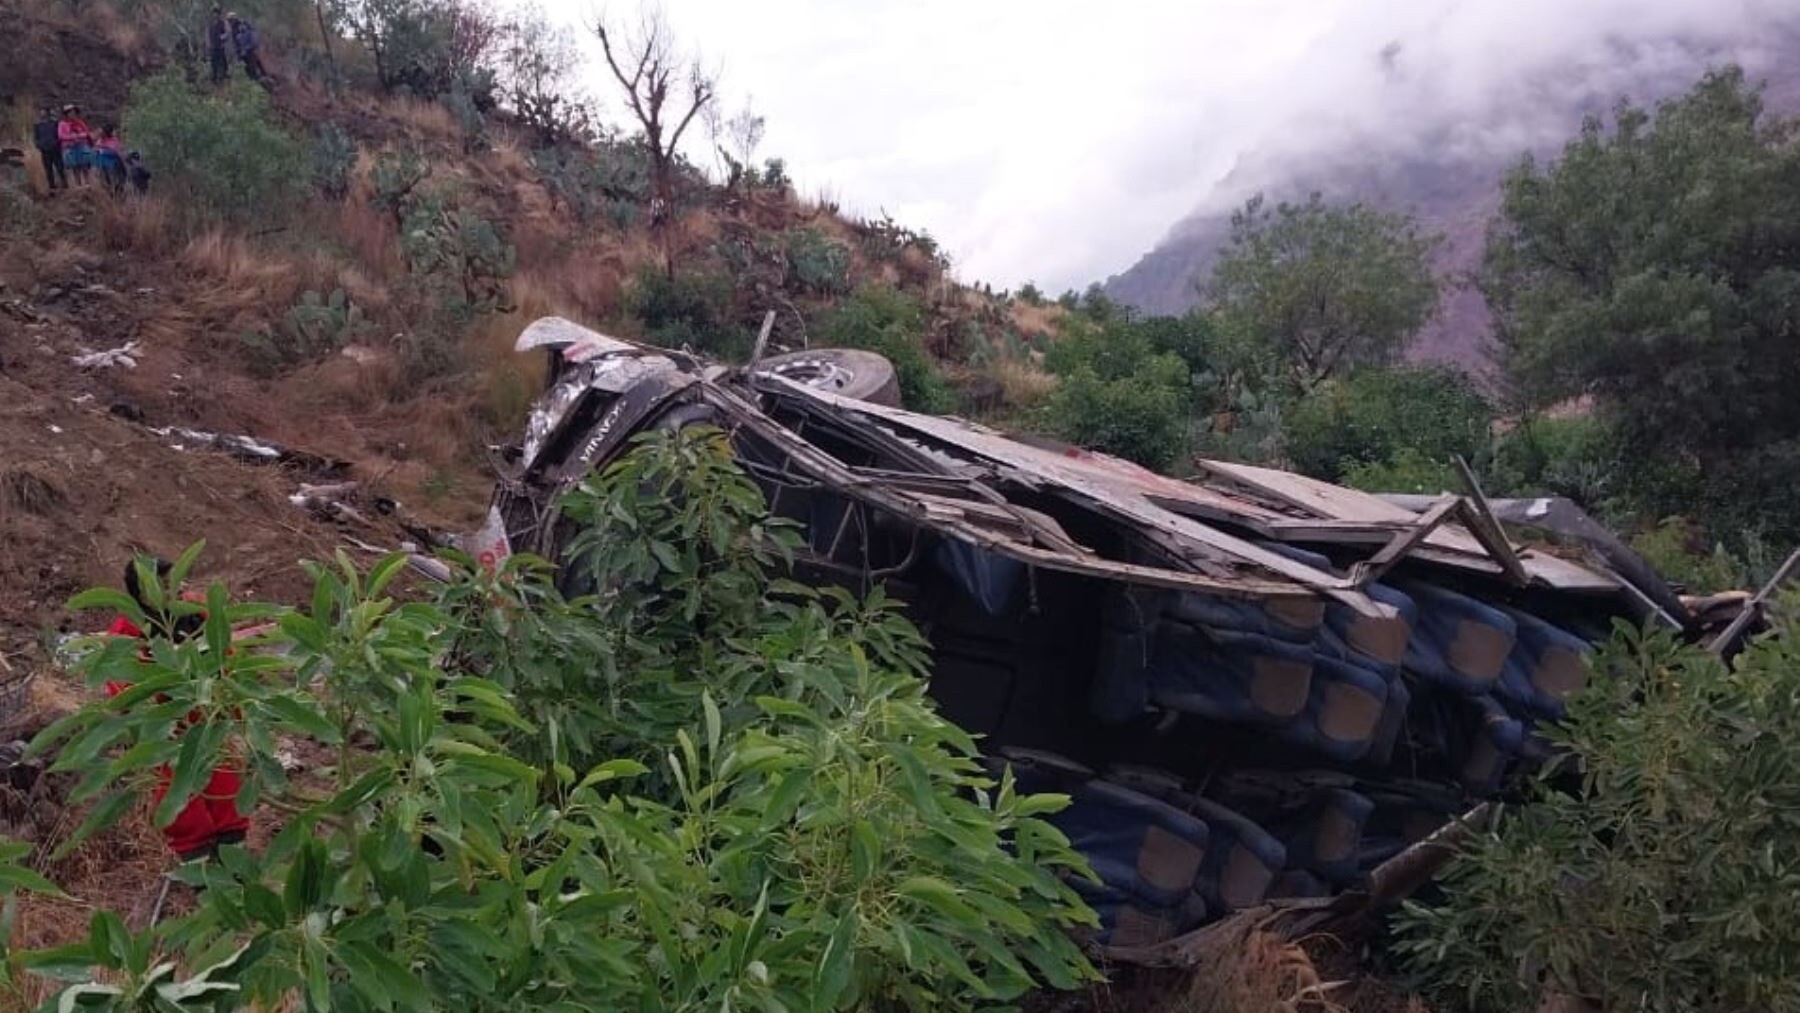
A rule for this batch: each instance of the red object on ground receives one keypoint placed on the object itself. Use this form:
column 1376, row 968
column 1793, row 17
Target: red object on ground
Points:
column 212, row 813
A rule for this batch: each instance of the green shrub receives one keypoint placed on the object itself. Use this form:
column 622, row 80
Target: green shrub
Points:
column 693, row 308
column 468, row 119
column 891, row 323
column 1661, row 870
column 1573, row 457
column 334, row 156
column 816, row 837
column 1141, row 416
column 395, row 180
column 1678, row 550
column 1407, row 471
column 315, row 327
column 1377, row 414
column 1119, row 394
column 817, row 262
column 220, row 150
column 607, row 177
column 462, row 253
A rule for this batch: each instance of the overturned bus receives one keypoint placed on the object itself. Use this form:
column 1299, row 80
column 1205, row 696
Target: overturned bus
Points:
column 1253, row 685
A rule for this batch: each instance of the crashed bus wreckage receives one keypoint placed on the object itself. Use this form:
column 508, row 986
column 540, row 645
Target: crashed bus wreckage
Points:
column 1253, row 685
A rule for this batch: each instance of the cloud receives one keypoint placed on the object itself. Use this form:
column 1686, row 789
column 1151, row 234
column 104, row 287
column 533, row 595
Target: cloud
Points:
column 1056, row 140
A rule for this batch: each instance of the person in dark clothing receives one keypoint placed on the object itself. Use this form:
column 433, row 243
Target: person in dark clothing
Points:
column 49, row 145
column 137, row 173
column 243, row 35
column 218, row 34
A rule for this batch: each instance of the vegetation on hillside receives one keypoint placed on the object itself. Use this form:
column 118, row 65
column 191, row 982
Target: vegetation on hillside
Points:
column 672, row 794
column 1657, row 864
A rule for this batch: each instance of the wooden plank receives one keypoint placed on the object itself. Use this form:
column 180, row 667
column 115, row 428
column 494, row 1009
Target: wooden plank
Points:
column 1480, row 519
column 1372, row 568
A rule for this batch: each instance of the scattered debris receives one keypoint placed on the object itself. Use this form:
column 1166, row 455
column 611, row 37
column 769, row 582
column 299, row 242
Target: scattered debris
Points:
column 125, row 356
column 250, row 449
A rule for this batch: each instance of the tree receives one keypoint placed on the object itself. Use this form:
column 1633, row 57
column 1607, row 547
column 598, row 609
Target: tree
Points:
column 1326, row 288
column 736, row 139
column 1653, row 268
column 664, row 89
column 429, row 47
column 536, row 63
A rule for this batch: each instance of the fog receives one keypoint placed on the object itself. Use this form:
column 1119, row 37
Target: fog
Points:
column 1055, row 140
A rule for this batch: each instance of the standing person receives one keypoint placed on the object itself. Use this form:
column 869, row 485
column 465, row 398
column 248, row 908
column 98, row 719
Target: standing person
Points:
column 137, row 173
column 49, row 145
column 77, row 143
column 109, row 152
column 210, row 820
column 243, row 34
column 218, row 34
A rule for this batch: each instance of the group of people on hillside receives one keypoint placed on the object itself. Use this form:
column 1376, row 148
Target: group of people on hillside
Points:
column 70, row 148
column 231, row 33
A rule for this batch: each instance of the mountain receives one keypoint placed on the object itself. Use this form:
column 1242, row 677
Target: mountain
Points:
column 1428, row 144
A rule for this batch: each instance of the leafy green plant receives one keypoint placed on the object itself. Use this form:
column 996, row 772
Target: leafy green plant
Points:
column 220, row 150
column 691, row 308
column 314, row 327
column 464, row 252
column 1375, row 416
column 468, row 119
column 333, row 158
column 395, row 180
column 815, row 835
column 605, row 178
column 891, row 323
column 1658, row 872
column 1120, row 395
column 817, row 262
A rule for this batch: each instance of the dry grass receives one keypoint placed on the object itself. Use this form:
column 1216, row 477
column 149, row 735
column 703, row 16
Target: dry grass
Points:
column 146, row 226
column 1045, row 318
column 1023, row 383
column 507, row 161
column 124, row 34
column 368, row 233
column 1243, row 969
column 58, row 259
column 420, row 119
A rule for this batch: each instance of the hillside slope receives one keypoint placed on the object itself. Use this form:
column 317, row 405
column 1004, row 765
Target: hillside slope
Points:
column 408, row 398
column 1444, row 166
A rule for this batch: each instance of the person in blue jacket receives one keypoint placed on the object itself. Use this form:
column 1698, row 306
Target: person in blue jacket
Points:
column 243, row 36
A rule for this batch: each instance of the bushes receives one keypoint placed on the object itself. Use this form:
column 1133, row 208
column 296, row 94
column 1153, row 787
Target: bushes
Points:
column 221, row 149
column 462, row 253
column 816, row 262
column 314, row 327
column 1377, row 415
column 693, row 308
column 1119, row 395
column 891, row 323
column 817, row 837
column 334, row 156
column 1666, row 878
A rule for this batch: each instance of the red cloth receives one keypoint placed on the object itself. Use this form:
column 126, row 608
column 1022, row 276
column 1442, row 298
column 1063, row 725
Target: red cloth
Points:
column 209, row 815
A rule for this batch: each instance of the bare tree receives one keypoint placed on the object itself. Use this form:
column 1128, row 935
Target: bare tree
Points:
column 664, row 89
column 736, row 139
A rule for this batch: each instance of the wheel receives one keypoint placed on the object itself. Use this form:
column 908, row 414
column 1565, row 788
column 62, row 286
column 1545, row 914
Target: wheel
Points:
column 847, row 372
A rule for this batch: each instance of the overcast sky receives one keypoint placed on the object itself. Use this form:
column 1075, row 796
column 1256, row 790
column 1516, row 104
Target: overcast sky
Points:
column 1057, row 140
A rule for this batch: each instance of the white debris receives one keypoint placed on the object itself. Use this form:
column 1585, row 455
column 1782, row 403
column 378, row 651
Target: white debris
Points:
column 56, row 429
column 125, row 355
column 82, row 398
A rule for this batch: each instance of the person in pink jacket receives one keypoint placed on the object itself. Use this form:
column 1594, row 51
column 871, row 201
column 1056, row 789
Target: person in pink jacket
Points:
column 77, row 144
